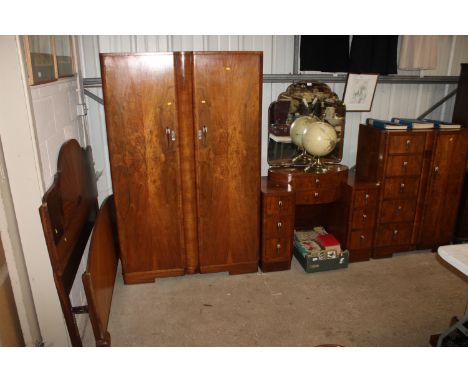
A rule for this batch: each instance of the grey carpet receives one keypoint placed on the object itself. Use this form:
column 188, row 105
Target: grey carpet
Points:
column 398, row 301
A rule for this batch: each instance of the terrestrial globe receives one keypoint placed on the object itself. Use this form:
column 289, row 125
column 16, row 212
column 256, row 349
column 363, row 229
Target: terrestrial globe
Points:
column 318, row 140
column 297, row 130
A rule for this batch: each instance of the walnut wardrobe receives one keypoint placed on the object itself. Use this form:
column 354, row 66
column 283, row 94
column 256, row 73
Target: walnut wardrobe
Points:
column 183, row 131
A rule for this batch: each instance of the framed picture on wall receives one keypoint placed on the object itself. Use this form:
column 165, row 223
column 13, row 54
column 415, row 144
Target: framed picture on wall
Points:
column 359, row 91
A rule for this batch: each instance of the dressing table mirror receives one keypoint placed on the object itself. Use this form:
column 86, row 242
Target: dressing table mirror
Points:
column 314, row 100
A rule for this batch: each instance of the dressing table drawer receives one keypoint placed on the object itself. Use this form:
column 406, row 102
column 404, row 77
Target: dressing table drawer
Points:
column 277, row 250
column 361, row 239
column 317, row 196
column 363, row 218
column 275, row 226
column 365, row 198
column 278, row 204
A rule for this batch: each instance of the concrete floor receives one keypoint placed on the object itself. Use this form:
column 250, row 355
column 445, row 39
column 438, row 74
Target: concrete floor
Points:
column 399, row 301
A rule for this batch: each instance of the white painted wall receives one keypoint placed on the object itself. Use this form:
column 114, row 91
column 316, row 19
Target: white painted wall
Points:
column 390, row 99
column 24, row 175
column 56, row 120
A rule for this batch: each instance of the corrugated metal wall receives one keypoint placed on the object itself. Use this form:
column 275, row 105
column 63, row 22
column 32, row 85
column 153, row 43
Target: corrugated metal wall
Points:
column 391, row 100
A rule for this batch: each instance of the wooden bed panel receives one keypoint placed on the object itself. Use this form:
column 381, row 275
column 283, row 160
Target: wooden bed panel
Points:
column 68, row 210
column 68, row 213
column 99, row 277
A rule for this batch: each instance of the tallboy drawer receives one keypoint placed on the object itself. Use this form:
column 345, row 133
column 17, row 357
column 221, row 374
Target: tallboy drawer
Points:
column 398, row 210
column 399, row 188
column 394, row 234
column 406, row 144
column 402, row 165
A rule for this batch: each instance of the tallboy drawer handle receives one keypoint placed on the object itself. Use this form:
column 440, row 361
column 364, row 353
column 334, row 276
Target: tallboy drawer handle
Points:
column 280, row 225
column 278, row 247
column 280, row 203
column 366, row 200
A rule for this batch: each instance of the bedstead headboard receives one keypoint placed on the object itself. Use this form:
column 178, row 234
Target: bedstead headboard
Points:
column 68, row 213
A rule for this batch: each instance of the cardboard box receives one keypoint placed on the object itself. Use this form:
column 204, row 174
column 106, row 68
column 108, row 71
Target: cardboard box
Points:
column 323, row 260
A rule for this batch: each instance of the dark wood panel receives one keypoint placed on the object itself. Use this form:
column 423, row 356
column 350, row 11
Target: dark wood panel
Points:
column 184, row 78
column 142, row 132
column 227, row 98
column 460, row 114
column 101, row 269
column 370, row 154
column 444, row 189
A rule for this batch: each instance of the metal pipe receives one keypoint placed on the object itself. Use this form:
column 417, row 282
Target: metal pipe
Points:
column 436, row 105
column 330, row 78
column 94, row 96
column 297, row 40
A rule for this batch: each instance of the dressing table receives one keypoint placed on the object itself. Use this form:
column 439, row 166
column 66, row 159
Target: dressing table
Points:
column 292, row 198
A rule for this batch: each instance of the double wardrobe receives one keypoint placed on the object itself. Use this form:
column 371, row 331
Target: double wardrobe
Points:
column 183, row 131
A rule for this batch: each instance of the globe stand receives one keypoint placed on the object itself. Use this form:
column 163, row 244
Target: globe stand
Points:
column 302, row 159
column 317, row 167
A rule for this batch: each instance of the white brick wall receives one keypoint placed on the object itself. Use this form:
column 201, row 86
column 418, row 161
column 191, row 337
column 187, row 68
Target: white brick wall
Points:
column 56, row 120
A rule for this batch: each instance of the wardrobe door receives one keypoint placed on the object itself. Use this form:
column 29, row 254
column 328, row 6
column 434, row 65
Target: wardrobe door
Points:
column 142, row 132
column 227, row 114
column 444, row 188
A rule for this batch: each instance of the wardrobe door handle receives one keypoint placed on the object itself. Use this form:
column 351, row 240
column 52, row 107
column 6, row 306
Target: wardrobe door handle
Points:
column 173, row 135
column 205, row 133
column 168, row 136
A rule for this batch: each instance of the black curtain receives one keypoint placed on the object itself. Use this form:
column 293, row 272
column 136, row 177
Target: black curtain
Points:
column 324, row 53
column 373, row 54
column 368, row 54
